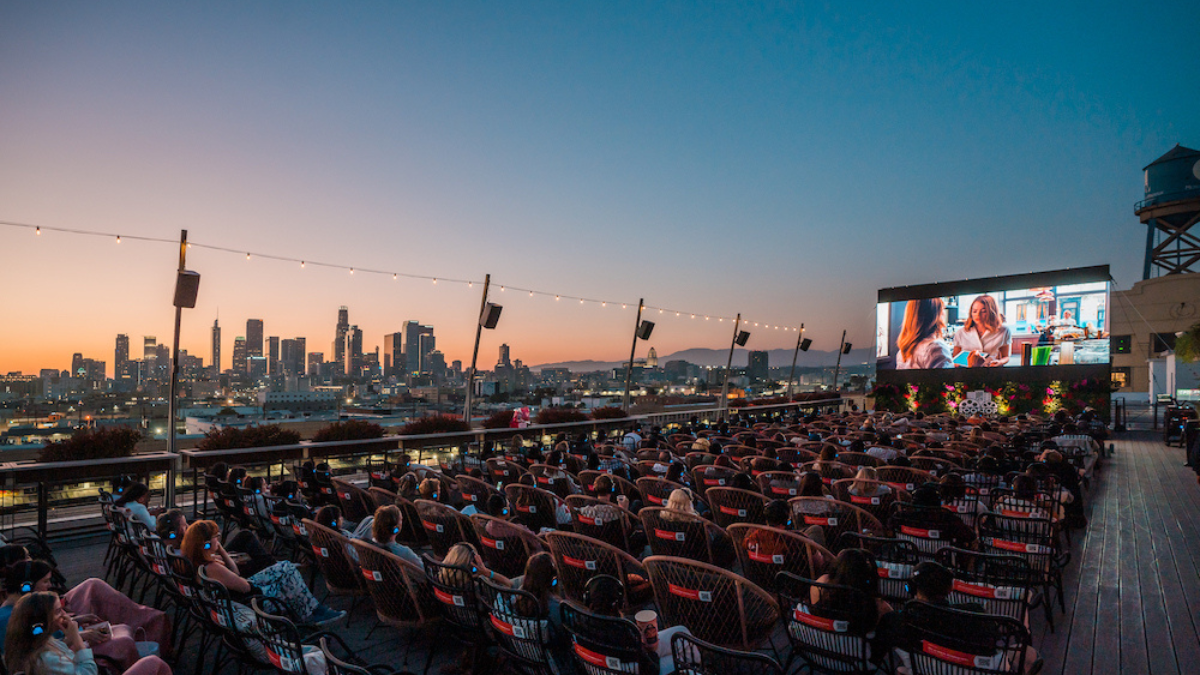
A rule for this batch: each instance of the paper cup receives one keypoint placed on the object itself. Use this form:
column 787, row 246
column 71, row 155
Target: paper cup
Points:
column 647, row 623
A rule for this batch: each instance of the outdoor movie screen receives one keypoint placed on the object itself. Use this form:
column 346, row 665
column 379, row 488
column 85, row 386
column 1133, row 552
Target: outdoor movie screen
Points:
column 1003, row 322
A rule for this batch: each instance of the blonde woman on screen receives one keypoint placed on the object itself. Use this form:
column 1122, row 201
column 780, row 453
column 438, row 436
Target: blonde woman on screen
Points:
column 984, row 335
column 920, row 342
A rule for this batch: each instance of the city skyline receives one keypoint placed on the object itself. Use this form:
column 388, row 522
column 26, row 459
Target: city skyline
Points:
column 781, row 162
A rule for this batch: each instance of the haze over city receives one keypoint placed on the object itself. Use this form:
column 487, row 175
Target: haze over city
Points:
column 781, row 162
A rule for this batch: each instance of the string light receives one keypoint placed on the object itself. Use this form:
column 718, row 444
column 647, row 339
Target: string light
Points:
column 351, row 270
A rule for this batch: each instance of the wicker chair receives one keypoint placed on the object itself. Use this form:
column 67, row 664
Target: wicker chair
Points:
column 341, row 574
column 859, row 459
column 731, row 505
column 1003, row 584
column 759, row 465
column 1033, row 540
column 788, row 552
column 355, row 502
column 412, row 534
column 936, row 466
column 336, row 666
column 504, row 472
column 285, row 644
column 579, row 558
column 833, row 516
column 704, row 477
column 829, row 471
column 895, row 561
column 604, row 645
column 454, row 590
column 795, row 456
column 553, row 479
column 948, row 641
column 620, row 529
column 695, row 459
column 402, row 595
column 587, row 480
column 904, row 477
column 534, row 507
column 504, row 546
column 686, row 536
column 879, row 505
column 444, row 525
column 824, row 637
column 714, row 604
column 656, row 490
column 779, row 484
column 475, row 491
column 524, row 640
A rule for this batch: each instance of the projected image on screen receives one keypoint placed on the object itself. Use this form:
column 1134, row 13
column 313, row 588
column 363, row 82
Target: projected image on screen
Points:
column 1001, row 328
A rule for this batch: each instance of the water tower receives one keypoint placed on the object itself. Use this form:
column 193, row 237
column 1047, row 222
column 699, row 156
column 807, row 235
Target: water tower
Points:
column 1171, row 210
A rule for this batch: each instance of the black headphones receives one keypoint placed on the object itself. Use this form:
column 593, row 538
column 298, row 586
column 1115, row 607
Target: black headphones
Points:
column 590, row 587
column 26, row 587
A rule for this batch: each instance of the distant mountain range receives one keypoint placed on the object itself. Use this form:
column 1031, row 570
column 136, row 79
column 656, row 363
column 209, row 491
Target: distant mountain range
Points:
column 777, row 358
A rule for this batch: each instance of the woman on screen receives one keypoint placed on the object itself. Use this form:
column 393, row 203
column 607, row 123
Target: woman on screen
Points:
column 920, row 342
column 984, row 335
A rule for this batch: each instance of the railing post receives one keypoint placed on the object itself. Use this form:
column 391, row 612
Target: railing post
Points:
column 43, row 507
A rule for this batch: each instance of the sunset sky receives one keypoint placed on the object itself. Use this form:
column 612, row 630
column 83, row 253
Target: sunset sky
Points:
column 782, row 161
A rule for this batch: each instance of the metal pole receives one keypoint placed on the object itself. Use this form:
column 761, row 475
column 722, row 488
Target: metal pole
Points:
column 172, row 407
column 838, row 369
column 795, row 353
column 487, row 281
column 637, row 322
column 729, row 364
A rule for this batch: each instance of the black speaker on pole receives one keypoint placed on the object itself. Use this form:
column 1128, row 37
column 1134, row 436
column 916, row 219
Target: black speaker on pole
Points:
column 187, row 285
column 805, row 344
column 846, row 348
column 742, row 338
column 645, row 329
column 490, row 316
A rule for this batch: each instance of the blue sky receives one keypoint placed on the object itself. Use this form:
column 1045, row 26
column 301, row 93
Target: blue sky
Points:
column 779, row 160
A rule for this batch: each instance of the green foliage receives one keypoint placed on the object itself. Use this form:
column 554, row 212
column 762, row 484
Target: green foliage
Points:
column 263, row 436
column 889, row 398
column 559, row 416
column 501, row 419
column 350, row 430
column 434, row 424
column 102, row 443
column 1187, row 345
column 610, row 412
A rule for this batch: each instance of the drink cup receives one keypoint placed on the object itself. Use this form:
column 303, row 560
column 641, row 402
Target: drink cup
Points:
column 647, row 623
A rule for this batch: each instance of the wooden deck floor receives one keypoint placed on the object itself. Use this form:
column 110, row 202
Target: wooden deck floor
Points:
column 1133, row 585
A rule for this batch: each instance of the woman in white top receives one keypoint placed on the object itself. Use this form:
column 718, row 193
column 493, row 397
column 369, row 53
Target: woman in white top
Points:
column 136, row 501
column 920, row 343
column 984, row 335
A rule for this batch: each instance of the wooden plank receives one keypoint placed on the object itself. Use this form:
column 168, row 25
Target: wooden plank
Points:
column 1171, row 529
column 1107, row 579
column 1141, row 595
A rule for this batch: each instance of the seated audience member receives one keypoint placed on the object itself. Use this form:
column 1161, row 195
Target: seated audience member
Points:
column 30, row 645
column 861, row 488
column 540, row 580
column 384, row 528
column 172, row 525
column 467, row 559
column 926, row 513
column 604, row 595
column 281, row 581
column 331, row 516
column 778, row 514
column 136, row 500
column 854, row 568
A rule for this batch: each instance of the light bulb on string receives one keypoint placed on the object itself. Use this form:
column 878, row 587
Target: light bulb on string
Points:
column 531, row 294
column 39, row 230
column 557, row 298
column 622, row 305
column 351, row 270
column 395, row 277
column 501, row 289
column 581, row 301
column 301, row 264
column 604, row 304
column 470, row 284
column 435, row 280
column 118, row 238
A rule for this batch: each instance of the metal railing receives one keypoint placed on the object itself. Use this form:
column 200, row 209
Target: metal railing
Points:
column 58, row 499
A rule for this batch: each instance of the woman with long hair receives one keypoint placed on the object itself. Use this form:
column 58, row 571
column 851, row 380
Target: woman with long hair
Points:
column 136, row 500
column 920, row 343
column 31, row 648
column 281, row 581
column 853, row 568
column 984, row 335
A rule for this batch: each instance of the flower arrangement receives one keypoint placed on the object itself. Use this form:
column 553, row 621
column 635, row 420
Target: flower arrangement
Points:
column 889, row 398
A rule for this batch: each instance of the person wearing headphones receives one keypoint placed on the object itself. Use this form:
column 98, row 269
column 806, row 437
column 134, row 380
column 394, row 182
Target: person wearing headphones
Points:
column 384, row 529
column 604, row 594
column 172, row 525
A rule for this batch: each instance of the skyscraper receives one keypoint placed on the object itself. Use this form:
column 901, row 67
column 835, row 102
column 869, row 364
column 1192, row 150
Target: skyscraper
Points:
column 504, row 357
column 339, row 337
column 353, row 352
column 291, row 356
column 393, row 354
column 254, row 337
column 273, row 354
column 121, row 357
column 427, row 345
column 149, row 345
column 413, row 330
column 216, row 346
column 758, row 369
column 239, row 355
